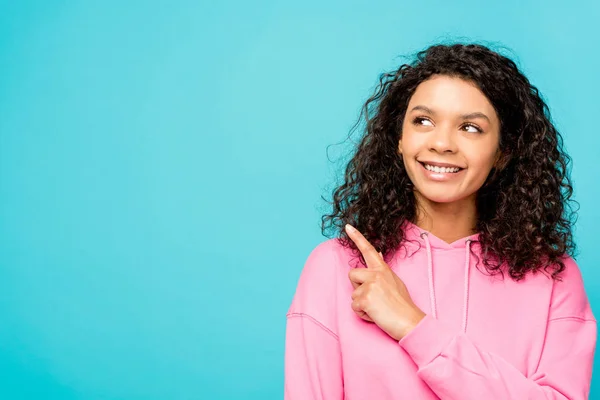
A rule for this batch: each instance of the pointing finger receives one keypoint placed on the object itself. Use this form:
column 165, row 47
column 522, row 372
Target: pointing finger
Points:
column 369, row 252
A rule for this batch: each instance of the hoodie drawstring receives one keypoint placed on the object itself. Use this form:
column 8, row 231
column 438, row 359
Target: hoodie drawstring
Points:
column 466, row 283
column 466, row 299
column 430, row 272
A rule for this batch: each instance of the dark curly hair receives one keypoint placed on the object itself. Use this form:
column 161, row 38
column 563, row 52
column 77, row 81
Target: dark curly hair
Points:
column 524, row 212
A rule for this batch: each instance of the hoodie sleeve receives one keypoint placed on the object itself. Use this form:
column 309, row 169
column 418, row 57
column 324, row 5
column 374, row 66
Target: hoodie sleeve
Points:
column 456, row 368
column 313, row 361
column 313, row 364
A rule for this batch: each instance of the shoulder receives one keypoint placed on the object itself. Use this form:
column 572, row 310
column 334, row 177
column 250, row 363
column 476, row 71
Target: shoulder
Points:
column 316, row 291
column 321, row 268
column 324, row 259
column 569, row 297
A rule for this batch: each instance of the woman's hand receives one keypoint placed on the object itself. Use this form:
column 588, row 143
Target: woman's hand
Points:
column 379, row 295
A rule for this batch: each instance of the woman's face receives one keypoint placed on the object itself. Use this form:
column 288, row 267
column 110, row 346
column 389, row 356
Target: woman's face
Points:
column 450, row 139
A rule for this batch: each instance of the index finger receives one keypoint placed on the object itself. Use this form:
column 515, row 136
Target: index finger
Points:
column 366, row 248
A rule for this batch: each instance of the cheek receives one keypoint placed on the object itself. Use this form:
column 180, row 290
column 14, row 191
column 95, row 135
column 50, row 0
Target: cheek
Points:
column 481, row 165
column 482, row 162
column 410, row 143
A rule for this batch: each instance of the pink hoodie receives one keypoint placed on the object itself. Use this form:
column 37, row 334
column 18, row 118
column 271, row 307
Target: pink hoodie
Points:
column 483, row 337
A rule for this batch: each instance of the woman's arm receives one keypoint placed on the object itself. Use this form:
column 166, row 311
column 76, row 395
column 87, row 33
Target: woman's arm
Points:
column 455, row 368
column 313, row 364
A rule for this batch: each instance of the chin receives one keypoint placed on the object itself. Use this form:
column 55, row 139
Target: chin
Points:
column 441, row 196
column 442, row 199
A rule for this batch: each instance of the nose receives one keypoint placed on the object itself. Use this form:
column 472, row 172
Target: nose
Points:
column 442, row 140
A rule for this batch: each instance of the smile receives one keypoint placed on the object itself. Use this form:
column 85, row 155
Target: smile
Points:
column 444, row 170
column 441, row 174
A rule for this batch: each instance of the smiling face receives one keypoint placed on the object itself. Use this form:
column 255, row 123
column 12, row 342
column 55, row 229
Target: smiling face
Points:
column 450, row 140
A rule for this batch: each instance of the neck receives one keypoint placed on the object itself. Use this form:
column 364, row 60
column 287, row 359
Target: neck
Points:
column 447, row 221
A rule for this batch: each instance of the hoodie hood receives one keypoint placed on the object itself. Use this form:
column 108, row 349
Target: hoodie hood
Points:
column 423, row 239
column 413, row 234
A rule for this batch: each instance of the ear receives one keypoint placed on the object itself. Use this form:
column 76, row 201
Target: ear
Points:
column 400, row 146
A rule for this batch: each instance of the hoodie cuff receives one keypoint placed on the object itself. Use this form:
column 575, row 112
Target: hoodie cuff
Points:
column 427, row 340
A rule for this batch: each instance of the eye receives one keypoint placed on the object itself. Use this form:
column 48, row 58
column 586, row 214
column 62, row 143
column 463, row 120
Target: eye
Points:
column 477, row 130
column 417, row 120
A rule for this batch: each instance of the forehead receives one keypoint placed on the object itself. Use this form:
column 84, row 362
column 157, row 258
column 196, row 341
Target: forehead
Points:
column 451, row 96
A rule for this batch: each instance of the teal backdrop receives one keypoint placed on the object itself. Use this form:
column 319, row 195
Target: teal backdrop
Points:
column 162, row 162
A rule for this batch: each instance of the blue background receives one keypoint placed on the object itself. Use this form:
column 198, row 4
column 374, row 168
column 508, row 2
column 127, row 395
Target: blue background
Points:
column 162, row 162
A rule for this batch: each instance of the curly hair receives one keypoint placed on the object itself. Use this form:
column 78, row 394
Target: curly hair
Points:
column 524, row 212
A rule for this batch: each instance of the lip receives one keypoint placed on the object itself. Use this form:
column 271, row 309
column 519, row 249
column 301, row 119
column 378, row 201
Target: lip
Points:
column 441, row 176
column 440, row 164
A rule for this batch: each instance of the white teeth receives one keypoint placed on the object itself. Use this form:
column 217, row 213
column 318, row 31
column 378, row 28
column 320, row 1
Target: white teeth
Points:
column 441, row 169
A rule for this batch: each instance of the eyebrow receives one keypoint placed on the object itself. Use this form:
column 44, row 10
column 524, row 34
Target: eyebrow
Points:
column 472, row 115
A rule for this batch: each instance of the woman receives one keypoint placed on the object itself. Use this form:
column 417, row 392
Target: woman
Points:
column 458, row 281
